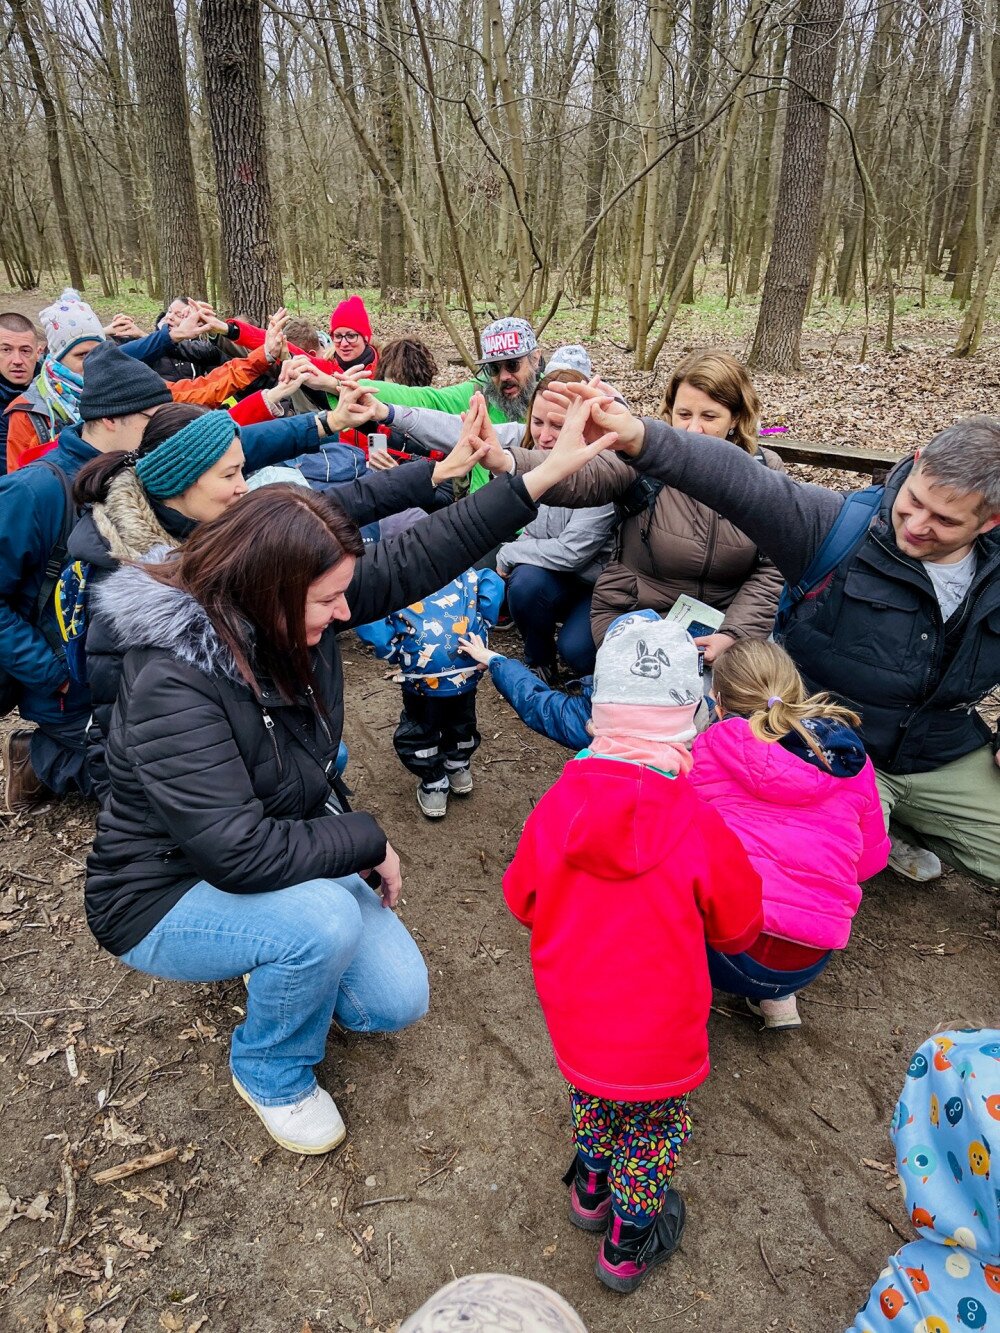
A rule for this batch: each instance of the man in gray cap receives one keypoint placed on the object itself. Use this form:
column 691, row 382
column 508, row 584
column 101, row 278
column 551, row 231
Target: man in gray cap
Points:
column 512, row 364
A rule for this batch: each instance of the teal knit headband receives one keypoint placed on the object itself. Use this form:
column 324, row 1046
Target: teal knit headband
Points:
column 179, row 461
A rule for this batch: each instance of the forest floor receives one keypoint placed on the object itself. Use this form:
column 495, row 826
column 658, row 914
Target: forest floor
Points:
column 458, row 1127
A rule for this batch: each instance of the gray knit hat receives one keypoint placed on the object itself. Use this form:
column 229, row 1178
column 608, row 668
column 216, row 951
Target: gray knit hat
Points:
column 507, row 339
column 115, row 385
column 647, row 661
column 570, row 357
column 494, row 1303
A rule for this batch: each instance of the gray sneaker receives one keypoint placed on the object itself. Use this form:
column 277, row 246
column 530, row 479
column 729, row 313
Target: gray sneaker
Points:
column 916, row 863
column 434, row 804
column 460, row 780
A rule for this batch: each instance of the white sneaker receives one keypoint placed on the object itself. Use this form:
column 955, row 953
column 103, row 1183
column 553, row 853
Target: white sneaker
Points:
column 777, row 1014
column 312, row 1125
column 916, row 863
column 460, row 780
column 434, row 804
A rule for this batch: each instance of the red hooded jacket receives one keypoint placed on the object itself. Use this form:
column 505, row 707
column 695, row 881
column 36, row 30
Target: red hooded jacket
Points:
column 621, row 874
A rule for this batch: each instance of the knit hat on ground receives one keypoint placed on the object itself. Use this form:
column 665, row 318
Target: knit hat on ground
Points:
column 114, row 385
column 488, row 1302
column 648, row 662
column 68, row 321
column 179, row 461
column 351, row 314
column 570, row 357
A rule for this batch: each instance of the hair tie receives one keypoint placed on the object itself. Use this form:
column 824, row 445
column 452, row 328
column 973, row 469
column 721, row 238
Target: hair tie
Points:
column 775, row 699
column 130, row 458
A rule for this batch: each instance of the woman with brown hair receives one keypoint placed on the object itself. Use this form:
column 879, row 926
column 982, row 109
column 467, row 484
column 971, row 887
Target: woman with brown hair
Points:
column 227, row 846
column 669, row 544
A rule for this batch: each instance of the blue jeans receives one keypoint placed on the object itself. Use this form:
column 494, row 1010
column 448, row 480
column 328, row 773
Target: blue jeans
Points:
column 739, row 974
column 59, row 755
column 316, row 950
column 538, row 599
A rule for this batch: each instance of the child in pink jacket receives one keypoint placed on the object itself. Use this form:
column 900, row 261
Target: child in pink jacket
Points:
column 791, row 779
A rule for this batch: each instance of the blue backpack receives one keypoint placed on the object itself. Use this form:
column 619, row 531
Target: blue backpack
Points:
column 850, row 525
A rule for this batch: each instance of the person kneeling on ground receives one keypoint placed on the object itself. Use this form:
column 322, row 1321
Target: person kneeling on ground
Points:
column 620, row 865
column 227, row 845
column 944, row 1121
column 791, row 779
column 903, row 630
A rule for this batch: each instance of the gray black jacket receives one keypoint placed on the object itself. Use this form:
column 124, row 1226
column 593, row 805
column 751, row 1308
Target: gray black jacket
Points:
column 874, row 634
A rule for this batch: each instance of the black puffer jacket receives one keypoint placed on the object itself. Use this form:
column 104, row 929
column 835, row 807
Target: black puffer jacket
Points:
column 207, row 782
column 127, row 526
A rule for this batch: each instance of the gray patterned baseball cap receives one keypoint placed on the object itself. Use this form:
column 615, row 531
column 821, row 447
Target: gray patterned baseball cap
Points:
column 507, row 338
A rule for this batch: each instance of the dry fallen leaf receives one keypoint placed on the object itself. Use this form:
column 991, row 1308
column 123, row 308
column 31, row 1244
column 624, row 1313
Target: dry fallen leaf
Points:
column 39, row 1057
column 113, row 1131
column 134, row 1239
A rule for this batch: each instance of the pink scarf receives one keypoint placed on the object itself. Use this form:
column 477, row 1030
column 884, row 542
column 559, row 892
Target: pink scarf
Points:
column 645, row 734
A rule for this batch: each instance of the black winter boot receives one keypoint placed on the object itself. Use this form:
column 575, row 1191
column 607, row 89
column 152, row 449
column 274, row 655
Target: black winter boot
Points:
column 589, row 1195
column 628, row 1251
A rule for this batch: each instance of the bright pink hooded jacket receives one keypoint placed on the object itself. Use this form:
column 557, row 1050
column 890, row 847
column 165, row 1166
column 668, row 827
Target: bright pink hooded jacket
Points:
column 811, row 837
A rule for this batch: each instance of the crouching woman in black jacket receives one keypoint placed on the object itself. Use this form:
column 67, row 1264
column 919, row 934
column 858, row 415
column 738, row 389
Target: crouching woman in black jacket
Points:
column 225, row 846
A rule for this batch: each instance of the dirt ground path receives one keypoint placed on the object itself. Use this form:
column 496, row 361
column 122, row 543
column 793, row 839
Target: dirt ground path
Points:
column 459, row 1125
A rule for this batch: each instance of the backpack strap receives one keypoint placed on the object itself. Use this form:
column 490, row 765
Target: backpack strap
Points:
column 55, row 562
column 850, row 525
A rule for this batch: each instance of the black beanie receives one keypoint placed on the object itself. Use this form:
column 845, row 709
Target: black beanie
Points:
column 115, row 385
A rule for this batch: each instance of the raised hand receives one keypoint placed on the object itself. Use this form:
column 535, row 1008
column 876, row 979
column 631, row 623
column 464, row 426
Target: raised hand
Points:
column 123, row 326
column 291, row 378
column 572, row 450
column 192, row 324
column 355, row 407
column 608, row 413
column 275, row 347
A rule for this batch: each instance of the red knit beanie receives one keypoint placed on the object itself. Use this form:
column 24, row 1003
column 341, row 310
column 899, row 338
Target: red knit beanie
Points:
column 351, row 314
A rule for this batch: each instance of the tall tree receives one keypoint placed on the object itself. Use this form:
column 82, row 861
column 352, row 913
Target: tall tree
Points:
column 234, row 61
column 51, row 119
column 603, row 98
column 792, row 263
column 163, row 113
column 392, row 234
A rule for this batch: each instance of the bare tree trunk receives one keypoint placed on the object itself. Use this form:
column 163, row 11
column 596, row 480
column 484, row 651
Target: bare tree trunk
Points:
column 764, row 169
column 392, row 245
column 51, row 120
column 603, row 98
column 943, row 154
column 684, row 217
column 163, row 113
column 798, row 215
column 230, row 38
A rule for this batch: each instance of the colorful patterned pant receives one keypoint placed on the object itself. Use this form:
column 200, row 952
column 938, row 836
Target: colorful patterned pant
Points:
column 635, row 1142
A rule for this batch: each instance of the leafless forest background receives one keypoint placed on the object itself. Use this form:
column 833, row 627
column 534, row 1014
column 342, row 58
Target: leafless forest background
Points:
column 498, row 156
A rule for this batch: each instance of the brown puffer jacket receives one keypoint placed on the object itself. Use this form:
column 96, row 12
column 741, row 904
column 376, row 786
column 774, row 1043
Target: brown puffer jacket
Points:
column 676, row 546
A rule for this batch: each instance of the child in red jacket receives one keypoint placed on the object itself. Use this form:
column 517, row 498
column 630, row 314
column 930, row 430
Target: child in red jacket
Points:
column 621, row 874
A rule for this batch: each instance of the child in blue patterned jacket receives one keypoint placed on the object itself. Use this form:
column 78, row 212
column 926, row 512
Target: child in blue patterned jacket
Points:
column 437, row 733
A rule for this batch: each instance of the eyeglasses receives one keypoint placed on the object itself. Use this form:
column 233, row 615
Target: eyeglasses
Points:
column 348, row 337
column 511, row 367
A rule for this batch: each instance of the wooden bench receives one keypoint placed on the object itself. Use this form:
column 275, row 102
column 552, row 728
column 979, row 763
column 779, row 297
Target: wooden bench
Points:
column 845, row 457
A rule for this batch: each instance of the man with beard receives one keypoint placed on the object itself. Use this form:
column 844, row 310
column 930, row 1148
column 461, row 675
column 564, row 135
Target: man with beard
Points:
column 511, row 365
column 20, row 350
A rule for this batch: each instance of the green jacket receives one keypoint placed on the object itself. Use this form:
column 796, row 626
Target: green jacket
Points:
column 454, row 398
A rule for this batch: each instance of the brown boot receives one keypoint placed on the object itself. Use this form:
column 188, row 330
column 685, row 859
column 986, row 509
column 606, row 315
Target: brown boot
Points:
column 24, row 790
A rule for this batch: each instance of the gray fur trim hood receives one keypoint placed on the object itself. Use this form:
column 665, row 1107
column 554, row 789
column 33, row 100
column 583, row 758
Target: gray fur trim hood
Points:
column 141, row 612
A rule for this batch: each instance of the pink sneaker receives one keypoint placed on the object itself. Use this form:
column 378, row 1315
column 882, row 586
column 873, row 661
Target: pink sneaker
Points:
column 777, row 1014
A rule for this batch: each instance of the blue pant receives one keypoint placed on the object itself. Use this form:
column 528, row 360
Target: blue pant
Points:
column 739, row 974
column 59, row 755
column 537, row 599
column 314, row 951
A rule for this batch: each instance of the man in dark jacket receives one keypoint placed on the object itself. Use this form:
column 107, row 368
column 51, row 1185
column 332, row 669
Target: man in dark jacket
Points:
column 906, row 629
column 118, row 398
column 20, row 362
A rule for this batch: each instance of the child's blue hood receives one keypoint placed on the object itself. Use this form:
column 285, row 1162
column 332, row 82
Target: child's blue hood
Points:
column 945, row 1129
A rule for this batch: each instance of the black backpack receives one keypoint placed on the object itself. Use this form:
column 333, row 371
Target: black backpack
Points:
column 10, row 688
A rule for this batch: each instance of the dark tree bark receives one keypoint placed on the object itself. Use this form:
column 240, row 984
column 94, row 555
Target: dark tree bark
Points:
column 604, row 96
column 392, row 235
column 231, row 42
column 51, row 119
column 163, row 113
column 798, row 215
column 943, row 156
column 685, row 222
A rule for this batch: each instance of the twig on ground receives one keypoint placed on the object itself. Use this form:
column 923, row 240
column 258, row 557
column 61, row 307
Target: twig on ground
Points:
column 479, row 939
column 343, row 1202
column 767, row 1265
column 21, row 874
column 23, row 954
column 134, row 1165
column 388, row 1241
column 447, row 1166
column 820, row 1116
column 880, row 1212
column 69, row 1188
column 389, row 1198
column 66, row 1009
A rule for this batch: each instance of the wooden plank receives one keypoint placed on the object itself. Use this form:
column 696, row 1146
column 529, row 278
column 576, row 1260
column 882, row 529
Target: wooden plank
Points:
column 846, row 457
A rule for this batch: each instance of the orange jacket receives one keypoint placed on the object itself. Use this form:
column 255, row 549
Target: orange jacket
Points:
column 24, row 444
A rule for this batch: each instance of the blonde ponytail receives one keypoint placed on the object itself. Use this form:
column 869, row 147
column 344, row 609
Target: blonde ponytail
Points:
column 759, row 681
